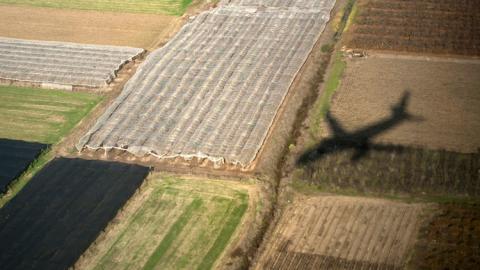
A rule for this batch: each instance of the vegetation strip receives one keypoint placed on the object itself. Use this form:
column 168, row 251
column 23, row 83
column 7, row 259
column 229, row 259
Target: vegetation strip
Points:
column 224, row 236
column 176, row 228
column 171, row 7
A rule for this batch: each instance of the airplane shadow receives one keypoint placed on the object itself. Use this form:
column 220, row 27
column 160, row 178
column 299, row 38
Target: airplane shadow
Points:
column 360, row 140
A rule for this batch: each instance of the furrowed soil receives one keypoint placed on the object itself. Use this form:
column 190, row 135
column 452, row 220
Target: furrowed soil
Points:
column 93, row 27
column 450, row 239
column 179, row 223
column 419, row 26
column 336, row 232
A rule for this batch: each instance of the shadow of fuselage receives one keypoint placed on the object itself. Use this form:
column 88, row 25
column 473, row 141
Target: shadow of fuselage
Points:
column 359, row 140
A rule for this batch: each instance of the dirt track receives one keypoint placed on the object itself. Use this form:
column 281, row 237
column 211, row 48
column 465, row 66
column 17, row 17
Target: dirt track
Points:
column 109, row 28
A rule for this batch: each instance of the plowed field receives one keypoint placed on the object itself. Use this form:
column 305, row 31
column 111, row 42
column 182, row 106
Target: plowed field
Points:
column 333, row 232
column 421, row 26
column 450, row 239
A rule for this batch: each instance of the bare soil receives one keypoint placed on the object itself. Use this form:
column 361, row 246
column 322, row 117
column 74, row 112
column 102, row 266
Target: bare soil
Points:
column 444, row 100
column 418, row 26
column 108, row 28
column 450, row 240
column 336, row 232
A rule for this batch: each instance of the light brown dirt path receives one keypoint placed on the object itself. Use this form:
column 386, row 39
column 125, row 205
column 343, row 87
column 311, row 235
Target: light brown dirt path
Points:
column 109, row 28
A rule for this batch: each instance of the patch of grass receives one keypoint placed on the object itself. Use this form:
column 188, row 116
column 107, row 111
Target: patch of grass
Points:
column 39, row 115
column 227, row 231
column 182, row 224
column 322, row 105
column 172, row 234
column 170, row 7
column 327, row 48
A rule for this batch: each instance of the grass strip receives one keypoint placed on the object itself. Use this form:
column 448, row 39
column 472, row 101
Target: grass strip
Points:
column 225, row 234
column 172, row 234
column 322, row 106
column 168, row 7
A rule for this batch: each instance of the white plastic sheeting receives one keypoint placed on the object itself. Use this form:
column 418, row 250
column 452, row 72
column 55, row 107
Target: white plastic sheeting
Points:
column 61, row 63
column 213, row 91
column 300, row 4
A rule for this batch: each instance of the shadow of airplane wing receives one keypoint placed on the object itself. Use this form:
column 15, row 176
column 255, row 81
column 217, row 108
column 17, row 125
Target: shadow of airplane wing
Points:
column 334, row 126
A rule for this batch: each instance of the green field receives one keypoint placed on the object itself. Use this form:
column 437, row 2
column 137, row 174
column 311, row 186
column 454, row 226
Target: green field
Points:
column 39, row 115
column 179, row 224
column 170, row 7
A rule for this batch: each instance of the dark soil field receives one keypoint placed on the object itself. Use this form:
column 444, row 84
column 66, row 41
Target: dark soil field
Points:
column 65, row 206
column 15, row 157
column 450, row 240
column 420, row 26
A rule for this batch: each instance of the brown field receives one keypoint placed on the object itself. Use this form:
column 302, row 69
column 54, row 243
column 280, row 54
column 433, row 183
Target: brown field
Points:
column 109, row 28
column 336, row 232
column 421, row 26
column 450, row 240
column 444, row 100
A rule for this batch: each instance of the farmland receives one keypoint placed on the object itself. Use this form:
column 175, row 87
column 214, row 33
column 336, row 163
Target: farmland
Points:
column 61, row 65
column 211, row 94
column 31, row 120
column 336, row 232
column 443, row 101
column 15, row 157
column 433, row 152
column 450, row 239
column 62, row 210
column 40, row 115
column 89, row 27
column 280, row 135
column 419, row 26
column 172, row 7
column 175, row 223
